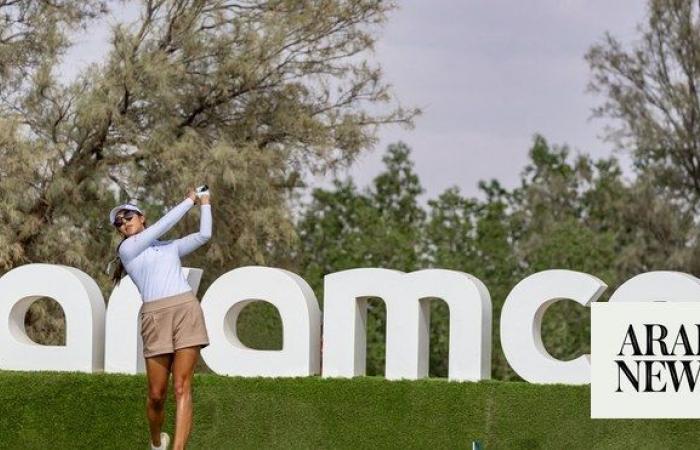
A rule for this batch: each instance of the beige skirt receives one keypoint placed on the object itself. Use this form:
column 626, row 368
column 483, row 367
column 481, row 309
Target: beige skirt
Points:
column 171, row 323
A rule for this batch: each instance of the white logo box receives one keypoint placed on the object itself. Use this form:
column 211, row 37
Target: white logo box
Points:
column 609, row 330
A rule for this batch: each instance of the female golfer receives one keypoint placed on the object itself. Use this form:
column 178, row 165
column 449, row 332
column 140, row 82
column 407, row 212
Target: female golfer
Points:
column 172, row 323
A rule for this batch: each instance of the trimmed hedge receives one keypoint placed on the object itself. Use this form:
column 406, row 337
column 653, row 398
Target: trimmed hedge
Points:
column 72, row 411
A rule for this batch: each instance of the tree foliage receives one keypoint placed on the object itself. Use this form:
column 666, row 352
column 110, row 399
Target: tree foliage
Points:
column 651, row 90
column 247, row 96
column 244, row 95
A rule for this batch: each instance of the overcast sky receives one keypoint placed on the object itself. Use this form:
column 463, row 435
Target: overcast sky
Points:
column 488, row 75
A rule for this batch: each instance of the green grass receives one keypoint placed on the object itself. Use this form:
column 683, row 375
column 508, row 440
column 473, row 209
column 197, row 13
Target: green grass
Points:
column 71, row 411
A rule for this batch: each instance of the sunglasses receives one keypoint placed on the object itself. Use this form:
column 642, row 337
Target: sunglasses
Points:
column 118, row 222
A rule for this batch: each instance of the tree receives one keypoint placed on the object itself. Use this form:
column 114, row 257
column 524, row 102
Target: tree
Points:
column 651, row 90
column 236, row 93
column 33, row 35
column 343, row 228
column 246, row 96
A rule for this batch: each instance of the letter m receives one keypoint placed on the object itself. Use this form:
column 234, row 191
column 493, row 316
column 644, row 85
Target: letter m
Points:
column 406, row 296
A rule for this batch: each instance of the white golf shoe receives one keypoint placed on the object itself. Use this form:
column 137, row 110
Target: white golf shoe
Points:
column 164, row 442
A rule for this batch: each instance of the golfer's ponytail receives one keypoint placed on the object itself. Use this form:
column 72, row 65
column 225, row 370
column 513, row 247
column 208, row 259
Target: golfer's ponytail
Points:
column 119, row 271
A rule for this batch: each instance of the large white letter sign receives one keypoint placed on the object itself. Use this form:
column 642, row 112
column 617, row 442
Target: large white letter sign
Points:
column 83, row 307
column 659, row 286
column 123, row 342
column 406, row 296
column 298, row 309
column 521, row 325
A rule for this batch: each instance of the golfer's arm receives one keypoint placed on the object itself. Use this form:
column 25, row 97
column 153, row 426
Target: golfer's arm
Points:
column 134, row 245
column 192, row 242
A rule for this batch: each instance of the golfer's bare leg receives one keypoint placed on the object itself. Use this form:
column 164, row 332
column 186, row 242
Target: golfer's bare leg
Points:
column 157, row 371
column 183, row 369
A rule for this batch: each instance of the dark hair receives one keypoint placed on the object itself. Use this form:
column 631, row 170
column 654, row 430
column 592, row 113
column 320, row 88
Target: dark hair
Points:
column 119, row 272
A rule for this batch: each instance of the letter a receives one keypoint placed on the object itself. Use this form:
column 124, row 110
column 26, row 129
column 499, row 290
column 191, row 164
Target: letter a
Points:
column 83, row 307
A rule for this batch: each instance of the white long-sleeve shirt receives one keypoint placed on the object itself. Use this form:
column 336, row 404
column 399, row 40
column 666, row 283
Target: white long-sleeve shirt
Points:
column 154, row 265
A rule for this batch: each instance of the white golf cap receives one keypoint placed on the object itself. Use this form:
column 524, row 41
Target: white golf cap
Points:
column 116, row 209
